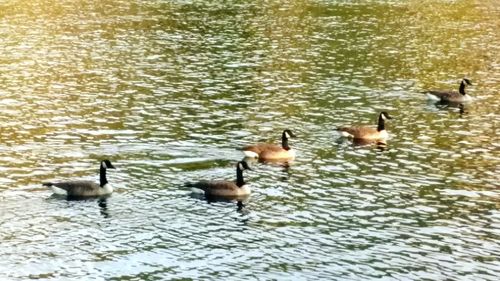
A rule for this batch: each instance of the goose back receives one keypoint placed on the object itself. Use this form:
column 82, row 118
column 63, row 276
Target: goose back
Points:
column 221, row 188
column 80, row 188
column 361, row 132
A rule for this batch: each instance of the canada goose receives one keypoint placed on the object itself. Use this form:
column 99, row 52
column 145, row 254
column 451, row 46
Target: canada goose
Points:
column 225, row 188
column 451, row 96
column 83, row 188
column 266, row 151
column 367, row 133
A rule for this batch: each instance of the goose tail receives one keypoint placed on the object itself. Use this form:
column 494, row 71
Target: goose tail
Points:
column 432, row 97
column 190, row 184
column 195, row 187
column 344, row 131
column 48, row 184
column 250, row 154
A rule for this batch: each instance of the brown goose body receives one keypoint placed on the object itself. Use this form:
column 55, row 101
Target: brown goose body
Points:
column 366, row 132
column 448, row 96
column 451, row 96
column 80, row 188
column 224, row 188
column 84, row 188
column 266, row 151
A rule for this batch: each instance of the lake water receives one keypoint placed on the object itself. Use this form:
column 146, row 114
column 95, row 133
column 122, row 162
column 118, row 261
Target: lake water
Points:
column 167, row 90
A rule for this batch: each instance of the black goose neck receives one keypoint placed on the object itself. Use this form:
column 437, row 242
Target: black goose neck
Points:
column 102, row 177
column 381, row 123
column 239, row 177
column 461, row 90
column 284, row 142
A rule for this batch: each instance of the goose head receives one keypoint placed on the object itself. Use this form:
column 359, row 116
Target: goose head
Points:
column 385, row 116
column 466, row 82
column 288, row 134
column 242, row 165
column 106, row 164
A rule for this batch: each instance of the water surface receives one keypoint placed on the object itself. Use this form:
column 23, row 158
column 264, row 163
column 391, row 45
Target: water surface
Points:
column 169, row 89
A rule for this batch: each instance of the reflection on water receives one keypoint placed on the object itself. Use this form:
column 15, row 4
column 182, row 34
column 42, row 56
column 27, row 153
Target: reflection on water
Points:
column 240, row 203
column 103, row 205
column 380, row 144
column 284, row 163
column 101, row 202
column 450, row 106
column 170, row 89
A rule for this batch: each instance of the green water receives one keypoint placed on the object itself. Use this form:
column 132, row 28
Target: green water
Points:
column 169, row 89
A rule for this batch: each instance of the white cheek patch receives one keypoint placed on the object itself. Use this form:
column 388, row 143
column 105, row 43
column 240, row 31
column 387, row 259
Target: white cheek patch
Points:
column 384, row 117
column 287, row 135
column 240, row 166
column 104, row 165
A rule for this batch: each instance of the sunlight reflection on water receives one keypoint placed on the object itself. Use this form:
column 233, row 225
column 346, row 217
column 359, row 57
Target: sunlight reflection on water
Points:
column 170, row 90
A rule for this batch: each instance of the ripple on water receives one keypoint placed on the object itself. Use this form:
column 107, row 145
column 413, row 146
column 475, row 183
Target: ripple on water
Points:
column 168, row 91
